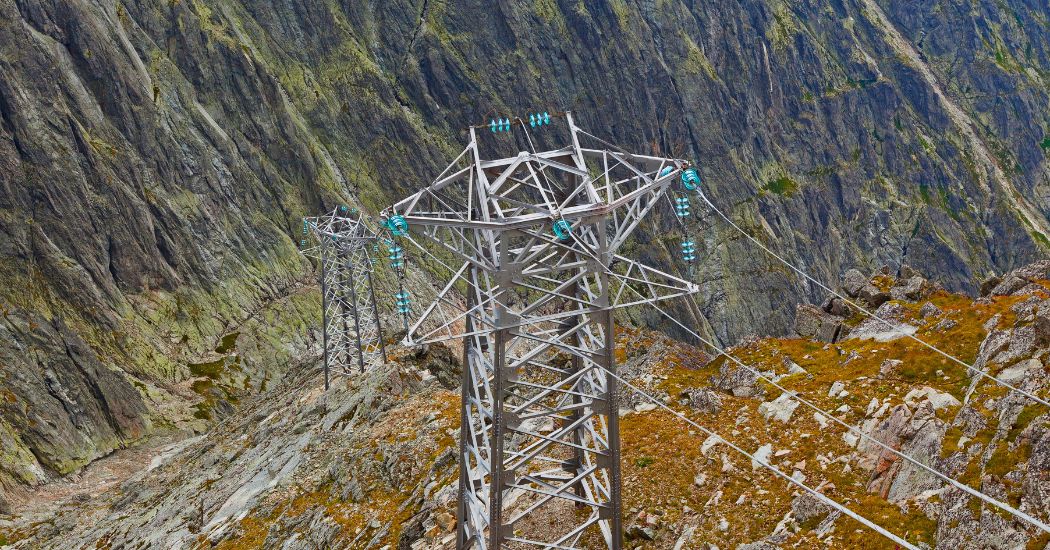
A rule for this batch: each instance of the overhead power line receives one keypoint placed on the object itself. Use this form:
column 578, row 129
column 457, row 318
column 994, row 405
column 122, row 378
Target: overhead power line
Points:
column 813, row 492
column 872, row 314
column 859, row 432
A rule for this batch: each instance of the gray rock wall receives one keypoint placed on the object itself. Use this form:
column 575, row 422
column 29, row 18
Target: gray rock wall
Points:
column 155, row 157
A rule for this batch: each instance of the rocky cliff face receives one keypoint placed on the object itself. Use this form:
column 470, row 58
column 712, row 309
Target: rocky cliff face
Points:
column 155, row 158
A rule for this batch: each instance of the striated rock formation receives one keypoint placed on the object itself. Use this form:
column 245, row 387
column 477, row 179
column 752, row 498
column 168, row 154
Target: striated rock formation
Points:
column 371, row 463
column 155, row 159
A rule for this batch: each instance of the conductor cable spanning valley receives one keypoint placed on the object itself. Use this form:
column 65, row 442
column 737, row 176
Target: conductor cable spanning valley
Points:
column 864, row 435
column 873, row 315
column 857, row 431
column 779, row 473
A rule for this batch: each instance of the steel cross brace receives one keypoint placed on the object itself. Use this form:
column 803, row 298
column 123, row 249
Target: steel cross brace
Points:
column 353, row 334
column 540, row 425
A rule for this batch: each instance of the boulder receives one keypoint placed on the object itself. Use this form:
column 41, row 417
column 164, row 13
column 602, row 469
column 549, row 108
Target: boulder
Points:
column 836, row 306
column 989, row 284
column 703, row 400
column 817, row 324
column 995, row 343
column 640, row 532
column 1016, row 374
column 440, row 361
column 873, row 296
column 876, row 327
column 821, row 420
column 762, row 454
column 1033, row 271
column 792, row 367
column 1022, row 344
column 929, row 310
column 1009, row 285
column 1026, row 310
column 913, row 288
column 708, row 444
column 890, row 368
column 1041, row 325
column 780, row 408
column 937, row 399
column 806, row 507
column 853, row 281
column 924, row 445
column 740, row 382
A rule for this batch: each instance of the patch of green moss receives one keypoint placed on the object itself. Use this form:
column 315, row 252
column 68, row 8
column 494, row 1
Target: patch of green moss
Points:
column 1007, row 159
column 783, row 185
column 812, row 523
column 202, row 387
column 783, row 28
column 1005, row 460
column 924, row 191
column 546, row 9
column 228, row 343
column 210, row 369
column 696, row 61
column 824, row 170
column 1005, row 60
column 1045, row 144
column 926, row 145
column 950, row 443
column 206, row 388
column 1027, row 415
column 622, row 12
column 202, row 411
column 944, row 200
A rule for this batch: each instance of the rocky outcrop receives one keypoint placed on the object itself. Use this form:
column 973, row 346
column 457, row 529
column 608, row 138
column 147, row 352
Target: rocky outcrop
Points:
column 853, row 281
column 873, row 296
column 1023, row 280
column 813, row 322
column 912, row 289
column 703, row 400
column 1041, row 324
column 737, row 381
column 379, row 440
column 60, row 401
column 989, row 284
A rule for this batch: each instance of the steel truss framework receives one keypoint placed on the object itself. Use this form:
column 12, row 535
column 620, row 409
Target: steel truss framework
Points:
column 540, row 426
column 353, row 336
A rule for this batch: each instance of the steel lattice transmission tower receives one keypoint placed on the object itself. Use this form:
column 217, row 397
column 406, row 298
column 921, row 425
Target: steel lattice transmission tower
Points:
column 537, row 236
column 353, row 336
